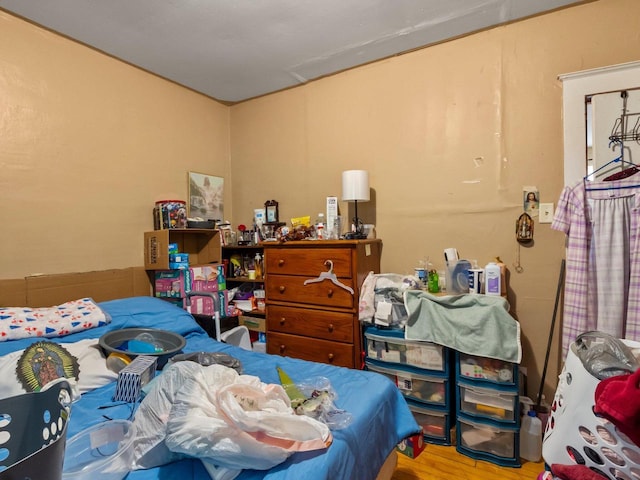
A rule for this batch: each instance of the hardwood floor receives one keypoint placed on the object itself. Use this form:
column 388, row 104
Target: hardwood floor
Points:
column 438, row 462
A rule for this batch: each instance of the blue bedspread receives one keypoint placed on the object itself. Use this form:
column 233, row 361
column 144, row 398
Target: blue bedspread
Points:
column 381, row 417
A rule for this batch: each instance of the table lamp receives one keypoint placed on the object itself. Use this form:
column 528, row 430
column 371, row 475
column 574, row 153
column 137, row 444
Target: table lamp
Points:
column 355, row 188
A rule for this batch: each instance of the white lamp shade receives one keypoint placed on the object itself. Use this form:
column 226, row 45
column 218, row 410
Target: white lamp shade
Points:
column 355, row 185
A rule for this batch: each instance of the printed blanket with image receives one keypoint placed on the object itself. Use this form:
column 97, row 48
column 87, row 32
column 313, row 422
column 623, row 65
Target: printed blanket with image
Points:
column 49, row 322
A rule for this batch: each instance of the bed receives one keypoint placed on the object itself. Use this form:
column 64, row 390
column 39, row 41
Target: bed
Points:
column 381, row 417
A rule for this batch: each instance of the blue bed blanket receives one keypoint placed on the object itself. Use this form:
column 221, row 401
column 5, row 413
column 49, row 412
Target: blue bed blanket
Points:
column 381, row 417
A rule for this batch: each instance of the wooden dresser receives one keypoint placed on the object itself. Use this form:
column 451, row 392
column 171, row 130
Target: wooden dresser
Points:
column 317, row 320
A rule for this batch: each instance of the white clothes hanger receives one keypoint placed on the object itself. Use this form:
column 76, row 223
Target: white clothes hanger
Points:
column 329, row 276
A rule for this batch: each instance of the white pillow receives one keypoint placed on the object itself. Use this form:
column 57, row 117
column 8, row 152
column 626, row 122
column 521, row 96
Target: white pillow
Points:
column 82, row 363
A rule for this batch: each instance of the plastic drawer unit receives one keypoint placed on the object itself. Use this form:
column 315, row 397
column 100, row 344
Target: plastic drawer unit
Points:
column 390, row 346
column 487, row 370
column 419, row 387
column 436, row 424
column 489, row 441
column 491, row 403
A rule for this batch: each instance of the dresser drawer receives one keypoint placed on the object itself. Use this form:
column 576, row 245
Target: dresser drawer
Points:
column 312, row 349
column 308, row 262
column 334, row 326
column 288, row 288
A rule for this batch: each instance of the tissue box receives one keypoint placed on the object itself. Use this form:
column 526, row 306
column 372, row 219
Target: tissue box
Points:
column 412, row 446
column 133, row 377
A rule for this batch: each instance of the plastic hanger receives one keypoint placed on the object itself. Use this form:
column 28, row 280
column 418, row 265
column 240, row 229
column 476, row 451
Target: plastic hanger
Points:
column 615, row 177
column 331, row 277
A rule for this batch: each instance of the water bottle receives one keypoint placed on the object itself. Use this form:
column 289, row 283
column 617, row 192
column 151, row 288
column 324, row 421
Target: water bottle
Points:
column 531, row 437
column 320, row 226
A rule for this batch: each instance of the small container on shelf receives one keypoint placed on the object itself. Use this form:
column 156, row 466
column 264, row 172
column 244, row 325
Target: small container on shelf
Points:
column 170, row 214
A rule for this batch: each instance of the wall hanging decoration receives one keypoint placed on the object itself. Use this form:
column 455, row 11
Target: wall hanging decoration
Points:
column 206, row 196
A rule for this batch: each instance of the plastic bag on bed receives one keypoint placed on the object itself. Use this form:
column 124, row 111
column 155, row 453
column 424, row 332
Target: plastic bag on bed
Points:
column 319, row 404
column 223, row 418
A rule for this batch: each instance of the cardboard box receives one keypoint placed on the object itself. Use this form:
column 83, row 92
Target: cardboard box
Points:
column 172, row 283
column 255, row 324
column 202, row 245
column 133, row 377
column 205, row 278
column 412, row 446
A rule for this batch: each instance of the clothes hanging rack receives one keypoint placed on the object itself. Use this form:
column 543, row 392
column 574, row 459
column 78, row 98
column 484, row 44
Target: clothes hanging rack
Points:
column 620, row 132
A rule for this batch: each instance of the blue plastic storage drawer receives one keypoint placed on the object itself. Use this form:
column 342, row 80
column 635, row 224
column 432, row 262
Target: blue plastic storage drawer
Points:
column 487, row 370
column 492, row 403
column 390, row 346
column 433, row 390
column 435, row 424
column 485, row 440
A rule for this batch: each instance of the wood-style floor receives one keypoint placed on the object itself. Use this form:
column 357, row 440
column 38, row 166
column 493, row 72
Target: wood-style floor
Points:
column 437, row 462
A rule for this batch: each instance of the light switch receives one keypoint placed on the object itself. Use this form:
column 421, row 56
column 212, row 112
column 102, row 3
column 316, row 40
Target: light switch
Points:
column 546, row 212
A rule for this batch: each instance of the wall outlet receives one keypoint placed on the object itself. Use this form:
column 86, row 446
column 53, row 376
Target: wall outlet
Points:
column 546, row 212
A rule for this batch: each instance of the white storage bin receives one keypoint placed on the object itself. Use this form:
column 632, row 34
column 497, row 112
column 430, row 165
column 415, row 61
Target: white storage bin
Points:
column 488, row 403
column 575, row 435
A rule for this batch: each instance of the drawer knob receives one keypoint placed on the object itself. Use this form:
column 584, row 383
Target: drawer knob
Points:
column 282, row 348
column 330, row 292
column 331, row 327
column 282, row 320
column 282, row 288
column 280, row 262
column 330, row 357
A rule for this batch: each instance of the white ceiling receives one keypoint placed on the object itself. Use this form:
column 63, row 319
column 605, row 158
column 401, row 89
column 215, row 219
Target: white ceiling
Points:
column 233, row 50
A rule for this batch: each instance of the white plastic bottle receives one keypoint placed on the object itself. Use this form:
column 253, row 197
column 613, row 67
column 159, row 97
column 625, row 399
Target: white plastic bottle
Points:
column 492, row 277
column 531, row 437
column 320, row 226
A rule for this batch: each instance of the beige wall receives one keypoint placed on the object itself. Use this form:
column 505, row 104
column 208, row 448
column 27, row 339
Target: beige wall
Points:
column 87, row 145
column 450, row 135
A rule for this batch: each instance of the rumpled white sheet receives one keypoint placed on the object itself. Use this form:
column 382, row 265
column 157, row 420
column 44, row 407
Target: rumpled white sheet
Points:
column 227, row 420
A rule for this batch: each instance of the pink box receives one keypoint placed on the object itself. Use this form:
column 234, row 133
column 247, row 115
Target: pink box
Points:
column 172, row 283
column 201, row 305
column 204, row 278
column 225, row 309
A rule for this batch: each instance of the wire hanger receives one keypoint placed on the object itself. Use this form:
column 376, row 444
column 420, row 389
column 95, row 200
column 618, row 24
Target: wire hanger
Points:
column 329, row 275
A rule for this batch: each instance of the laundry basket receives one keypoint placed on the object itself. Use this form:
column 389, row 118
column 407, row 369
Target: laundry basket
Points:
column 33, row 429
column 575, row 435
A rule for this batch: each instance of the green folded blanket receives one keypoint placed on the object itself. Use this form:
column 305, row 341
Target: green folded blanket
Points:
column 477, row 325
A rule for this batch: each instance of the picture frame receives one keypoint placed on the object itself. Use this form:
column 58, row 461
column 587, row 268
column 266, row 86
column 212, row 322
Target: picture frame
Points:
column 206, row 196
column 271, row 211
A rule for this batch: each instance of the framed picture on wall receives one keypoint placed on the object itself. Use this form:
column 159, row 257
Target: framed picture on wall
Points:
column 206, row 196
